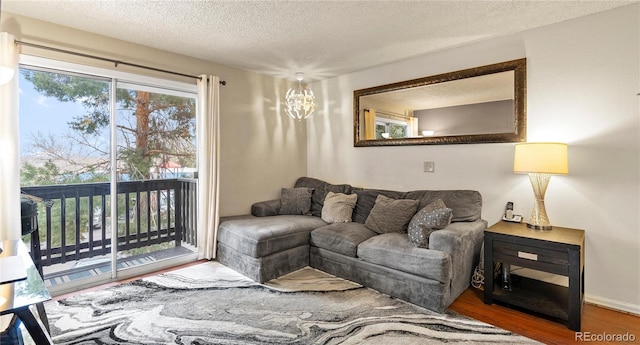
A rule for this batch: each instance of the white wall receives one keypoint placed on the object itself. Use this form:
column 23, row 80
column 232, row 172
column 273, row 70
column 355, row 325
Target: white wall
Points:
column 583, row 77
column 260, row 147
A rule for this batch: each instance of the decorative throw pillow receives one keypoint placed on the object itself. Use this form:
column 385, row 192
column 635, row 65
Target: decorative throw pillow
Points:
column 338, row 207
column 430, row 218
column 366, row 200
column 391, row 215
column 320, row 190
column 295, row 200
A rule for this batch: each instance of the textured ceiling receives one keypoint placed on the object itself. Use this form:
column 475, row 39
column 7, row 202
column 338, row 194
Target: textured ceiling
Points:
column 320, row 38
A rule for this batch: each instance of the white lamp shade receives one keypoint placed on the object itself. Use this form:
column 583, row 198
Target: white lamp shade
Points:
column 545, row 158
column 300, row 102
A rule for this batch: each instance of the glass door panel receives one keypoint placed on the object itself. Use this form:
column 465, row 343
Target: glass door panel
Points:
column 156, row 156
column 64, row 147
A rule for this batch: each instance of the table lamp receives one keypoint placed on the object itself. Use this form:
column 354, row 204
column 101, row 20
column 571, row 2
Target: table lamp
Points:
column 540, row 161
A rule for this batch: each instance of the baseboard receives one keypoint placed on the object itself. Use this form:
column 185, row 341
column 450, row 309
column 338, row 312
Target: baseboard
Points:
column 613, row 304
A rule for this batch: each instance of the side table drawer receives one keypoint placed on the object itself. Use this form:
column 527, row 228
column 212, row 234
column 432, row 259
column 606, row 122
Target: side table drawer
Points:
column 524, row 255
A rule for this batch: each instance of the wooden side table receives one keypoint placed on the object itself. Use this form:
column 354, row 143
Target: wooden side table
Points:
column 559, row 251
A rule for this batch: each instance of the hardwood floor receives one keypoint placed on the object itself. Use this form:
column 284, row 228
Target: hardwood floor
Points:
column 596, row 320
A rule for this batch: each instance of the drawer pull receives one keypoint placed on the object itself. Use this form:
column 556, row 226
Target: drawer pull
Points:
column 529, row 256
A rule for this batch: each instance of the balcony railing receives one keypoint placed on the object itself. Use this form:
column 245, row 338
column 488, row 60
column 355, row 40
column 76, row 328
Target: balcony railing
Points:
column 74, row 221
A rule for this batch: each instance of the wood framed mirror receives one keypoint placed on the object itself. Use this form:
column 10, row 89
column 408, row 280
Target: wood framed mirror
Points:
column 484, row 104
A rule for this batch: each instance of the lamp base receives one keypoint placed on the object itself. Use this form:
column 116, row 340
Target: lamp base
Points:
column 539, row 219
column 539, row 227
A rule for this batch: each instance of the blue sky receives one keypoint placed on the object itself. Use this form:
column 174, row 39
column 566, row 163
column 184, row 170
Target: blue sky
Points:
column 42, row 114
column 46, row 116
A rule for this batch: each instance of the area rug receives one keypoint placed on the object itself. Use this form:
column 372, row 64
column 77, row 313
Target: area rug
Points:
column 209, row 303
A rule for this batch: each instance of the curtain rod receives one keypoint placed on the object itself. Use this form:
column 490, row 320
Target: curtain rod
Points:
column 115, row 62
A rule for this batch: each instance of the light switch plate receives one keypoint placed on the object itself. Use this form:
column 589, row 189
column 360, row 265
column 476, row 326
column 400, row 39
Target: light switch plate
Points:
column 429, row 166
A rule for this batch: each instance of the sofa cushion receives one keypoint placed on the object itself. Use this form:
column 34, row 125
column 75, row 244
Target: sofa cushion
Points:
column 466, row 204
column 338, row 207
column 393, row 250
column 366, row 200
column 430, row 218
column 295, row 201
column 391, row 215
column 262, row 236
column 320, row 190
column 342, row 238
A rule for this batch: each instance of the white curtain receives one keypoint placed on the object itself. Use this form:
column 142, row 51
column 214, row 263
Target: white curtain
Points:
column 370, row 124
column 208, row 127
column 9, row 144
column 9, row 154
column 412, row 127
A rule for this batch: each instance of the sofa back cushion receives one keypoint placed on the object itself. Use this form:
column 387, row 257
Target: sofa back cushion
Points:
column 466, row 204
column 320, row 190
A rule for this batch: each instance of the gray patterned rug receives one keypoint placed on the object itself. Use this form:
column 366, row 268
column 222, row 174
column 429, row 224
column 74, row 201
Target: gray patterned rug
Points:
column 211, row 304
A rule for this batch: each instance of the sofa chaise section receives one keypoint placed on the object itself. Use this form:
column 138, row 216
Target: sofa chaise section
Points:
column 264, row 248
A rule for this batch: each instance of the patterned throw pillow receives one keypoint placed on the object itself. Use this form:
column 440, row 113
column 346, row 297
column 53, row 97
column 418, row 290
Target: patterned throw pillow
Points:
column 338, row 207
column 430, row 218
column 295, row 200
column 391, row 215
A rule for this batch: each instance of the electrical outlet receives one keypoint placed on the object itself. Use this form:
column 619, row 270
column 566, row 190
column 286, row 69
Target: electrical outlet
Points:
column 429, row 167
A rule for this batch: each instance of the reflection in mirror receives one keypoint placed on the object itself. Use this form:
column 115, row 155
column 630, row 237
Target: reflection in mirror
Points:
column 484, row 104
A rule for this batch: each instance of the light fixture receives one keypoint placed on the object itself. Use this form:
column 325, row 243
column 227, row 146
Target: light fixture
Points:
column 428, row 133
column 540, row 161
column 300, row 102
column 6, row 72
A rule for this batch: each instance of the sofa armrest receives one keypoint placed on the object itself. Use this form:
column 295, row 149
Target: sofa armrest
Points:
column 463, row 241
column 266, row 208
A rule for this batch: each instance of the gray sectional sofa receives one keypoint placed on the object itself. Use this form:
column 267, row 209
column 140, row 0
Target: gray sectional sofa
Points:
column 268, row 244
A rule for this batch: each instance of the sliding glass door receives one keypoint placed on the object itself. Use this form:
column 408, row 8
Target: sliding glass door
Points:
column 93, row 140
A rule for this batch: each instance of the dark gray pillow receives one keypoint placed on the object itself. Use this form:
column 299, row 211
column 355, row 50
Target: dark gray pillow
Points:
column 295, row 200
column 391, row 215
column 366, row 200
column 432, row 217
